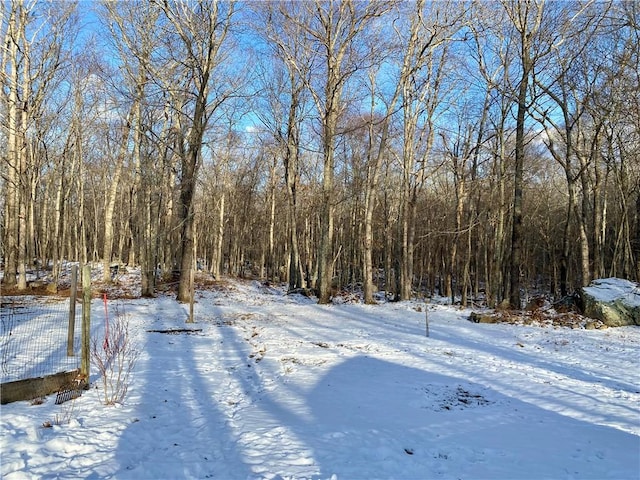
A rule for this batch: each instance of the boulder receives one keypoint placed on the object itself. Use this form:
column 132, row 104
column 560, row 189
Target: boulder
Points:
column 614, row 301
column 477, row 317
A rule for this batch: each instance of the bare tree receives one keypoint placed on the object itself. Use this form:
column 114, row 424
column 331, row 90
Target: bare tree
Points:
column 134, row 35
column 423, row 89
column 284, row 102
column 570, row 94
column 330, row 35
column 13, row 35
column 33, row 55
column 197, row 37
column 378, row 137
column 526, row 19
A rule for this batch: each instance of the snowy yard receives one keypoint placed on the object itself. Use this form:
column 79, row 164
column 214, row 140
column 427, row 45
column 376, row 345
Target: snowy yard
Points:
column 277, row 387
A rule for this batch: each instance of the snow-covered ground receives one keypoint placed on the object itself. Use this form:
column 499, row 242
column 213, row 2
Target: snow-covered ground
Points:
column 277, row 387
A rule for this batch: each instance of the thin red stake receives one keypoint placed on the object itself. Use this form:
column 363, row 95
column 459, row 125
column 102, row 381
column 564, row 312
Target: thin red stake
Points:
column 105, row 344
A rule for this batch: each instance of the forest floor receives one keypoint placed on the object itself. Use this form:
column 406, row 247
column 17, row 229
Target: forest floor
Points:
column 275, row 386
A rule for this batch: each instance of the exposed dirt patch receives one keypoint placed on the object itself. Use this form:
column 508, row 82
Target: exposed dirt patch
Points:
column 179, row 331
column 447, row 398
column 540, row 317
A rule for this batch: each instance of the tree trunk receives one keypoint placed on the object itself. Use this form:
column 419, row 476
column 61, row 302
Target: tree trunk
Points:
column 11, row 227
column 291, row 178
column 636, row 241
column 460, row 203
column 218, row 243
column 585, row 264
column 272, row 272
column 112, row 195
column 22, row 211
column 325, row 257
column 566, row 237
column 58, row 219
column 368, row 289
column 23, row 183
column 190, row 166
column 371, row 186
column 518, row 183
column 146, row 235
column 599, row 223
column 186, row 207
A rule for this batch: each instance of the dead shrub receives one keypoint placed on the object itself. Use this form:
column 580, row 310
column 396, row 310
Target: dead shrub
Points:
column 115, row 356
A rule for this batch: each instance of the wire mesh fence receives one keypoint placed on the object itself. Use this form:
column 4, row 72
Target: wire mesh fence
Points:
column 34, row 337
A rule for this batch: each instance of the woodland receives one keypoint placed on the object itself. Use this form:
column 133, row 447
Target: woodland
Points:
column 471, row 149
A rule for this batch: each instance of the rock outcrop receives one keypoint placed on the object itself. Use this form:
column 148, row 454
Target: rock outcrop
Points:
column 613, row 301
